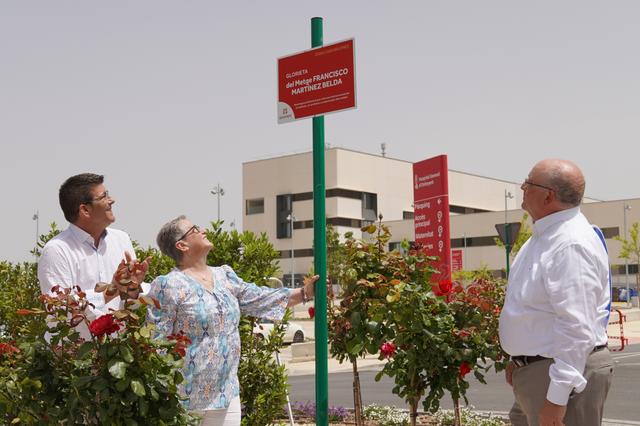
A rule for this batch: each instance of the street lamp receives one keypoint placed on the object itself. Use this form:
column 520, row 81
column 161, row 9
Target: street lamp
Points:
column 291, row 218
column 507, row 228
column 36, row 218
column 218, row 191
column 625, row 208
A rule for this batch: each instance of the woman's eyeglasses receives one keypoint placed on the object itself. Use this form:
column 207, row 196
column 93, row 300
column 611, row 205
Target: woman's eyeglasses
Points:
column 194, row 228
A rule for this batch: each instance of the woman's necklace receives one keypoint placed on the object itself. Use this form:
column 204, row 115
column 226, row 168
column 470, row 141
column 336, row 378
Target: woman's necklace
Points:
column 203, row 277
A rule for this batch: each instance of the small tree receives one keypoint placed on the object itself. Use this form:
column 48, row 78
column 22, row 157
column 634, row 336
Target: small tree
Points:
column 440, row 333
column 357, row 325
column 523, row 235
column 630, row 250
column 336, row 255
column 432, row 334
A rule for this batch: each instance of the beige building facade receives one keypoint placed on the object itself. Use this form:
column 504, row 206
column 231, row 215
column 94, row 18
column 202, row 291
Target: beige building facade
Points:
column 278, row 200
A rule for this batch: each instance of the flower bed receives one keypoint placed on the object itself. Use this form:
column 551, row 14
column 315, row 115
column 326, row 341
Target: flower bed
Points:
column 376, row 415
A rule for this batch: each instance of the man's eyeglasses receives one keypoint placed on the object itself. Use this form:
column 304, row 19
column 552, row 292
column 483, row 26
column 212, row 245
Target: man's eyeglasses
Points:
column 527, row 182
column 99, row 198
column 194, row 228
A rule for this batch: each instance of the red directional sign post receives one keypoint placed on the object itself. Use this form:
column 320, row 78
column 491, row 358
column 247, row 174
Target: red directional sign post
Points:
column 431, row 212
column 456, row 260
column 316, row 82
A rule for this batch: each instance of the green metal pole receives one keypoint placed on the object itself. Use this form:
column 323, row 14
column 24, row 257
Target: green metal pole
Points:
column 507, row 246
column 320, row 254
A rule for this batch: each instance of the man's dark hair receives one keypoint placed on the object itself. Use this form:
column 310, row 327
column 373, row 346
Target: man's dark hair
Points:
column 75, row 191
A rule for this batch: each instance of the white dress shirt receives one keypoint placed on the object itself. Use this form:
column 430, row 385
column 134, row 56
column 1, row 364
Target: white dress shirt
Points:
column 72, row 259
column 557, row 299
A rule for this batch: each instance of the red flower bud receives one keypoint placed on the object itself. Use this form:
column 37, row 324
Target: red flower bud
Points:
column 312, row 312
column 464, row 370
column 387, row 350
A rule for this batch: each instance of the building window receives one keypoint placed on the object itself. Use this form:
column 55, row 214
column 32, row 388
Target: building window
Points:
column 465, row 210
column 255, row 206
column 369, row 207
column 610, row 232
column 485, row 241
column 407, row 215
column 284, row 207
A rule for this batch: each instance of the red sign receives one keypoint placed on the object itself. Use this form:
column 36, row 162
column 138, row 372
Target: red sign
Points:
column 316, row 82
column 431, row 211
column 456, row 260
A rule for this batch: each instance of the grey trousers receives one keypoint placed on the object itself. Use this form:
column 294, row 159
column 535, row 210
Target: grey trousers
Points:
column 530, row 384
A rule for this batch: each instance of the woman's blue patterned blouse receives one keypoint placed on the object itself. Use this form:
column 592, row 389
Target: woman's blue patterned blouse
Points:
column 210, row 319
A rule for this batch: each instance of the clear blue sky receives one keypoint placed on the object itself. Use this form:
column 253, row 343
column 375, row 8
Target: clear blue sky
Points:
column 168, row 98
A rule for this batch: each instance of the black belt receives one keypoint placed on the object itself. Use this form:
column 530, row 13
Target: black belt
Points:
column 522, row 360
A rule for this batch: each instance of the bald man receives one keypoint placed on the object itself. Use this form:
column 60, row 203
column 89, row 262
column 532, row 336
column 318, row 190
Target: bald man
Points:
column 555, row 315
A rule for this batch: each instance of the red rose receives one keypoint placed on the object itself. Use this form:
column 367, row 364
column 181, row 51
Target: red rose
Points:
column 312, row 312
column 103, row 325
column 464, row 369
column 445, row 286
column 387, row 350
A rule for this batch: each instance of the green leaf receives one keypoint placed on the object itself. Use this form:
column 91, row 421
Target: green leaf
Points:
column 144, row 332
column 154, row 394
column 126, row 355
column 99, row 384
column 82, row 381
column 111, row 350
column 355, row 318
column 354, row 346
column 137, row 387
column 117, row 368
column 84, row 349
column 122, row 385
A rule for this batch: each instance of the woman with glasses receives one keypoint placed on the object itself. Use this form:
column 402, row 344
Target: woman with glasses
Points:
column 205, row 303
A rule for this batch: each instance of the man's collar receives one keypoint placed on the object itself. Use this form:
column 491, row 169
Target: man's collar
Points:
column 541, row 225
column 83, row 236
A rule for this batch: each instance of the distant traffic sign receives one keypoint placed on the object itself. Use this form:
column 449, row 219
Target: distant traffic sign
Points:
column 316, row 82
column 508, row 232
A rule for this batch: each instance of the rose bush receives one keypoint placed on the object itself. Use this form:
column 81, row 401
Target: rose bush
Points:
column 120, row 376
column 431, row 334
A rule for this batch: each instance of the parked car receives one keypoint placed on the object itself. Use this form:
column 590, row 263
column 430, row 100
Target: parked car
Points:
column 293, row 333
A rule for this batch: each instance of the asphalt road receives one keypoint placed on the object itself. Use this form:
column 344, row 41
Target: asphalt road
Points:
column 623, row 402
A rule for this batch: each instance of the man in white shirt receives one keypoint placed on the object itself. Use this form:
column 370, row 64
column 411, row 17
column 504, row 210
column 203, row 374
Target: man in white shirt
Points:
column 554, row 319
column 87, row 252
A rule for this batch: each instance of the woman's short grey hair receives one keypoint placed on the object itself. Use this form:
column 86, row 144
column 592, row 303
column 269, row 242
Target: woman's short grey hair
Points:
column 168, row 237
